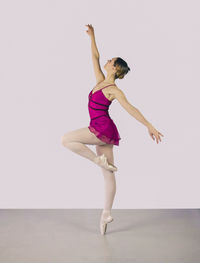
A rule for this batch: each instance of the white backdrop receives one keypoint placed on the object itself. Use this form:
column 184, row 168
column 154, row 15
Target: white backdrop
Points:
column 46, row 74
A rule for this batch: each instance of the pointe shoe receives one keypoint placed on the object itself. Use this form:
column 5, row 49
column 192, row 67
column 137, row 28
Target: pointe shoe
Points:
column 103, row 224
column 104, row 163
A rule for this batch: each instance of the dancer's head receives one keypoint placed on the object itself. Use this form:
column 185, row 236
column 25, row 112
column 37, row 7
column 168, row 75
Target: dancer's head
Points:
column 117, row 67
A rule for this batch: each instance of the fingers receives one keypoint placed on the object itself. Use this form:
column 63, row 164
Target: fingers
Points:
column 159, row 133
column 154, row 132
column 89, row 25
column 156, row 136
column 151, row 134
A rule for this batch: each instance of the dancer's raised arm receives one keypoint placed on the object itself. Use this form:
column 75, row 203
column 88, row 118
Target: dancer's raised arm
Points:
column 95, row 55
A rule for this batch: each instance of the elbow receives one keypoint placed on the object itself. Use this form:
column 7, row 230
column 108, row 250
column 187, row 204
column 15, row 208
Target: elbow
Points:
column 96, row 55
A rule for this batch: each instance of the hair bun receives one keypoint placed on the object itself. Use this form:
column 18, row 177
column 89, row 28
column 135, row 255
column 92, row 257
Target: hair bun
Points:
column 122, row 68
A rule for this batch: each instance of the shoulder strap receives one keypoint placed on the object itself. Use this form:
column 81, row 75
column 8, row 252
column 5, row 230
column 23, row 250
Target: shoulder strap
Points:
column 108, row 86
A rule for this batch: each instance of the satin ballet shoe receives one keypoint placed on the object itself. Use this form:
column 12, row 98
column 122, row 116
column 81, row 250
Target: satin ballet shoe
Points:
column 102, row 161
column 103, row 224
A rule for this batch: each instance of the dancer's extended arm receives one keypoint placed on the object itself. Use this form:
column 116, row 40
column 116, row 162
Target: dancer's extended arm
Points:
column 120, row 96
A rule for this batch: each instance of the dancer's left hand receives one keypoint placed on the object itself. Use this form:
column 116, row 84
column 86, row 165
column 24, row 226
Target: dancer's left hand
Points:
column 153, row 132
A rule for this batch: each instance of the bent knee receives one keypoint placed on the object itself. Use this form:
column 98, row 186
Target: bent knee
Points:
column 65, row 139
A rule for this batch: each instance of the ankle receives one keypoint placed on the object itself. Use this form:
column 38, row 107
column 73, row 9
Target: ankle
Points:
column 106, row 212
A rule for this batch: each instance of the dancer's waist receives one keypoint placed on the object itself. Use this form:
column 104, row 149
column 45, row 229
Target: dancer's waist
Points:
column 93, row 117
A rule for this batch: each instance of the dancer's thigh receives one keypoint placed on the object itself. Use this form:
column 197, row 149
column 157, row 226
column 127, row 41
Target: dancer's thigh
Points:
column 83, row 135
column 107, row 149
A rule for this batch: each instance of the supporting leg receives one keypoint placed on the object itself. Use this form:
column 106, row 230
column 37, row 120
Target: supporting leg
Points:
column 109, row 178
column 109, row 187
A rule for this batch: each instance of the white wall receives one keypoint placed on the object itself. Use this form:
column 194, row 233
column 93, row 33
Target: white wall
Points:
column 45, row 76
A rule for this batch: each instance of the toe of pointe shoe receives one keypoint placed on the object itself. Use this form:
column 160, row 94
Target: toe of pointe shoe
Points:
column 103, row 224
column 103, row 228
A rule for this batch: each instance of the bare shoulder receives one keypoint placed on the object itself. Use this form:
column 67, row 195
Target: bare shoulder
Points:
column 117, row 93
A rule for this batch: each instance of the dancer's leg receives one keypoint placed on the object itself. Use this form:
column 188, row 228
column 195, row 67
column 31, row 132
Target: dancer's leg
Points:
column 75, row 141
column 109, row 178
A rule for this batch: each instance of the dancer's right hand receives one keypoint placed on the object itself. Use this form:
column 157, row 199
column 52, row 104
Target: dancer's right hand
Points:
column 90, row 30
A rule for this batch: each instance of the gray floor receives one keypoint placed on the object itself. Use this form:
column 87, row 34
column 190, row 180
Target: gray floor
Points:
column 71, row 235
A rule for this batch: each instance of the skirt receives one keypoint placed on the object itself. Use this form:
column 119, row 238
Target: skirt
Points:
column 105, row 129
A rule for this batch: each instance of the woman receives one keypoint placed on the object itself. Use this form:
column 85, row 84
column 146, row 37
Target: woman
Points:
column 102, row 131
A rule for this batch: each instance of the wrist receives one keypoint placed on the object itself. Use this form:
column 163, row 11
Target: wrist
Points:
column 92, row 36
column 149, row 125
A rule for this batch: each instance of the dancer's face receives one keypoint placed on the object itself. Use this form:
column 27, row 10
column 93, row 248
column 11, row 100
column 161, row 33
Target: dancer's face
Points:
column 109, row 66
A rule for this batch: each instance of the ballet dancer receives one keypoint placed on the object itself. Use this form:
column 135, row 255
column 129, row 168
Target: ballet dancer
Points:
column 102, row 131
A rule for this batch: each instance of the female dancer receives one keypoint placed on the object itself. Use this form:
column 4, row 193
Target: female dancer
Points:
column 102, row 131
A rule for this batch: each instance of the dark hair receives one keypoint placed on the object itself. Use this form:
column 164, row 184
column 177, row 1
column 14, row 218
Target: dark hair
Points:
column 122, row 68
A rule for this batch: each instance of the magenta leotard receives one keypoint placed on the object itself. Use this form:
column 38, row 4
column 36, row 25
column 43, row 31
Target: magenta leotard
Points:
column 100, row 122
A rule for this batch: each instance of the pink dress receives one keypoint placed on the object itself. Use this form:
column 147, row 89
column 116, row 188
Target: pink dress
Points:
column 100, row 122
